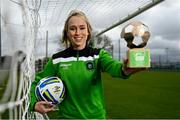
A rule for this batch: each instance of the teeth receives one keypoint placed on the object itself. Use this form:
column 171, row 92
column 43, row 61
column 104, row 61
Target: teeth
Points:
column 78, row 38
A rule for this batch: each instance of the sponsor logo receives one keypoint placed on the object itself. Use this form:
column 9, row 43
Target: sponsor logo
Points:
column 65, row 66
column 139, row 56
column 56, row 89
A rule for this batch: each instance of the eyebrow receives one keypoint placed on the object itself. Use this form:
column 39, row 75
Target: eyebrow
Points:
column 78, row 26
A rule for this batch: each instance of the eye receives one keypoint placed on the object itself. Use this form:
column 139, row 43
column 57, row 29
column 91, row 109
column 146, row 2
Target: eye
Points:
column 82, row 28
column 72, row 28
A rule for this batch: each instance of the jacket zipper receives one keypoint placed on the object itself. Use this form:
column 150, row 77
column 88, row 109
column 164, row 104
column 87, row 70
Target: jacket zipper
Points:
column 77, row 55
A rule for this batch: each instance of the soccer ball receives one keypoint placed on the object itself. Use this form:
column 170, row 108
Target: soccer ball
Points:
column 136, row 34
column 50, row 89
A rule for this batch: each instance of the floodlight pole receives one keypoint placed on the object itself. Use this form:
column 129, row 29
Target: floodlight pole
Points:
column 46, row 44
column 0, row 39
column 119, row 49
column 167, row 53
column 140, row 10
column 0, row 29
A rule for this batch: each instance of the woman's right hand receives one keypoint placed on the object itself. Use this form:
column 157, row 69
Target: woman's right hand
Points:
column 44, row 107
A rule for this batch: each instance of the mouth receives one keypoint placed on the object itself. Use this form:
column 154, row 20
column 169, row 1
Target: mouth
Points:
column 78, row 38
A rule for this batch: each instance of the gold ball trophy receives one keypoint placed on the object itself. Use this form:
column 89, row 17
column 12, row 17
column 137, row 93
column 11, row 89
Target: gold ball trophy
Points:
column 136, row 34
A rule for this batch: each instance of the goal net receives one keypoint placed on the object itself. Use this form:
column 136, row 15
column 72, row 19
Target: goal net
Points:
column 19, row 27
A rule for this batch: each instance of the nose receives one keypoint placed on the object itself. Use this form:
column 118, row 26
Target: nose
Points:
column 77, row 31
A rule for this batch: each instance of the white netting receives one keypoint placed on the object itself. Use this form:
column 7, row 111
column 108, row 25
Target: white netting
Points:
column 18, row 38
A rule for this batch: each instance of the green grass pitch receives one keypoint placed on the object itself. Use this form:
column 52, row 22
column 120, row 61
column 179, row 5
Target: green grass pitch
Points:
column 145, row 95
column 154, row 95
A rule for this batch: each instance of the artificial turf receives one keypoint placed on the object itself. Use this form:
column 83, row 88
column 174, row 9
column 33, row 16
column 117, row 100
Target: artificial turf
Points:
column 145, row 95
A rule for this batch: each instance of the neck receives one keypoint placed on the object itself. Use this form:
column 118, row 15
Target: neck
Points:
column 79, row 47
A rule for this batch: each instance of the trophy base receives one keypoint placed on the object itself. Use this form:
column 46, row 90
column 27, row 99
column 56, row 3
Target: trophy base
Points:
column 138, row 58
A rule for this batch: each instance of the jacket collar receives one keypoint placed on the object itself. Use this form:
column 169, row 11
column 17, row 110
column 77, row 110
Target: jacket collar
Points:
column 82, row 52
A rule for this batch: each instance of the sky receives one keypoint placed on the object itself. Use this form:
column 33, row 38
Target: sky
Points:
column 163, row 21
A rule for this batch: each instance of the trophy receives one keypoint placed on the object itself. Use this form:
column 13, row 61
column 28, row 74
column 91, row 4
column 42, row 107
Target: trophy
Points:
column 136, row 34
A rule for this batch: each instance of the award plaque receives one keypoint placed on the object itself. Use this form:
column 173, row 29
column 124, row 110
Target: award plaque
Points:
column 136, row 34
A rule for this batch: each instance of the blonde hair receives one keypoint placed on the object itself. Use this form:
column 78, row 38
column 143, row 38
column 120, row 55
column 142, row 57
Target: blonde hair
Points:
column 65, row 39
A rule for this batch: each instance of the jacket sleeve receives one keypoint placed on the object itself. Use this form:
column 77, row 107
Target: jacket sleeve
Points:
column 110, row 65
column 49, row 70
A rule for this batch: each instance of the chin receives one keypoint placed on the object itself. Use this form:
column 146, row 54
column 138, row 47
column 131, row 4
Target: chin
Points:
column 79, row 45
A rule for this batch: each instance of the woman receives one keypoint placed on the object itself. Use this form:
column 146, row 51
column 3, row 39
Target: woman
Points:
column 79, row 66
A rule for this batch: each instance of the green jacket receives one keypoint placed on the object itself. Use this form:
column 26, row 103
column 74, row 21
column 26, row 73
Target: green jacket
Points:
column 81, row 73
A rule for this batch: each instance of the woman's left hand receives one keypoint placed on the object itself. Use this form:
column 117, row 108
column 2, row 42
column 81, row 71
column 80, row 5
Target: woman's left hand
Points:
column 128, row 71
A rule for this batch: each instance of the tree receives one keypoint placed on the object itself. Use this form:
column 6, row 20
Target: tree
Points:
column 102, row 41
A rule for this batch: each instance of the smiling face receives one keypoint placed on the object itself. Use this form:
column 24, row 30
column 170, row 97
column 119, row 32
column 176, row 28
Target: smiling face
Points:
column 77, row 32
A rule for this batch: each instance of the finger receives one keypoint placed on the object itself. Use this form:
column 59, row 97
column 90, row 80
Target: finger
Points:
column 47, row 103
column 46, row 108
column 49, row 109
column 125, row 61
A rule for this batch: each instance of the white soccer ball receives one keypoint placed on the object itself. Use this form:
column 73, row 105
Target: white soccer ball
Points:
column 136, row 34
column 50, row 89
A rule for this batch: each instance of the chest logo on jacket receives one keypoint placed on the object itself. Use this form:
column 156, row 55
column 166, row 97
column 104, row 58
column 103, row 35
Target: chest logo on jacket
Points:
column 90, row 65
